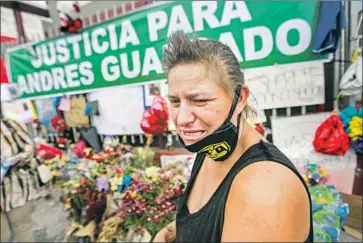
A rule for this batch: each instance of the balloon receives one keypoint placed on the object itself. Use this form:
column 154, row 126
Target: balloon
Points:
column 155, row 119
column 152, row 129
column 160, row 109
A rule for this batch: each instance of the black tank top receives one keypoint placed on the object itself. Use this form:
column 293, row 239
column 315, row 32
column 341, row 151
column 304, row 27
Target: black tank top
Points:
column 206, row 225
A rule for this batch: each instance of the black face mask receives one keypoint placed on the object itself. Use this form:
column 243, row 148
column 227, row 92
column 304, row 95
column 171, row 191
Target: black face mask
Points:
column 221, row 143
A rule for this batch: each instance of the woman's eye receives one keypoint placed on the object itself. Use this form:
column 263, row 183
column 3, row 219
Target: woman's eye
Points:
column 174, row 102
column 200, row 102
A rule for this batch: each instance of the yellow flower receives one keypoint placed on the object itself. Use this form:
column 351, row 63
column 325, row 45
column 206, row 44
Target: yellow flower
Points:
column 152, row 173
column 323, row 172
column 47, row 162
column 356, row 129
column 115, row 182
column 133, row 195
column 56, row 173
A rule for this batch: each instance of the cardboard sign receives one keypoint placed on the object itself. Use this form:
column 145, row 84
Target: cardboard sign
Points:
column 75, row 116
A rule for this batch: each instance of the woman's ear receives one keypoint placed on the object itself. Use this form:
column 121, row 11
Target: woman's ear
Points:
column 244, row 94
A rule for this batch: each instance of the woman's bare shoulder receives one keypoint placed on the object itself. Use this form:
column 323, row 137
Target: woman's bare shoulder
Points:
column 266, row 180
column 272, row 200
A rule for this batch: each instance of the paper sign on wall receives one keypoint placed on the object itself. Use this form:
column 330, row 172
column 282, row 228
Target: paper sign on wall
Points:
column 65, row 104
column 121, row 110
column 75, row 116
column 20, row 110
column 294, row 136
column 289, row 85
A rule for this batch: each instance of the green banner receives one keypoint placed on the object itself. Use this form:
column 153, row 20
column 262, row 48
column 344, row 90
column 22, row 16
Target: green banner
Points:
column 128, row 49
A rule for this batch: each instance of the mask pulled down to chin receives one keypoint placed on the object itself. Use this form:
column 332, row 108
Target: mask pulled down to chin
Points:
column 220, row 144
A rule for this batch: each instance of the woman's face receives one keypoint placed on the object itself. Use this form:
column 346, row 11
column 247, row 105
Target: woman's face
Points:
column 199, row 105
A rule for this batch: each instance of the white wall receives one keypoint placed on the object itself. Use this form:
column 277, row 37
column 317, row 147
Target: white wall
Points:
column 33, row 26
column 8, row 24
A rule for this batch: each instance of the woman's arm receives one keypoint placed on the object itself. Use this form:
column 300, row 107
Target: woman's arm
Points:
column 167, row 234
column 267, row 202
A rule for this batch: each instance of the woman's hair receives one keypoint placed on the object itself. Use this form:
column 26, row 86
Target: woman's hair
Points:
column 215, row 55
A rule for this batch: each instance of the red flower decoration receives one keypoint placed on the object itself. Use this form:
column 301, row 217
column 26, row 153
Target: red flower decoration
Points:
column 330, row 137
column 58, row 123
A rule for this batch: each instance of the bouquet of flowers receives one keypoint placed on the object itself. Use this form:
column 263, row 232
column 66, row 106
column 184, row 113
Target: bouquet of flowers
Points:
column 143, row 196
column 352, row 120
column 149, row 203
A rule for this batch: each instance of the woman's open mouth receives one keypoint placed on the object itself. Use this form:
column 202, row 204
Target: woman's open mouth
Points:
column 192, row 136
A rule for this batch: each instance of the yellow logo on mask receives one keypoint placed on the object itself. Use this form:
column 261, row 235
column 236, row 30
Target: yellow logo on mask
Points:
column 217, row 150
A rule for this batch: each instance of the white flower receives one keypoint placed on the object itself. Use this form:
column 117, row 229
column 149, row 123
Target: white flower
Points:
column 152, row 173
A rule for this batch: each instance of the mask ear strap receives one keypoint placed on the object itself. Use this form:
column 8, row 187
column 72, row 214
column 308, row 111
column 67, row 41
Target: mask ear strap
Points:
column 234, row 104
column 239, row 120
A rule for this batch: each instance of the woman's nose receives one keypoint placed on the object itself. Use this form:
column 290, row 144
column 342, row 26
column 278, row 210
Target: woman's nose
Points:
column 185, row 115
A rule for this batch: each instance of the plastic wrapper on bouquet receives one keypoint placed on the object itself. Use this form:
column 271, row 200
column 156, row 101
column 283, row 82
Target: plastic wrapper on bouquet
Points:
column 329, row 211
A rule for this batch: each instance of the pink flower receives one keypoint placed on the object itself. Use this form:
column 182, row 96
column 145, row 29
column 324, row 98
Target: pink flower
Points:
column 156, row 219
column 177, row 191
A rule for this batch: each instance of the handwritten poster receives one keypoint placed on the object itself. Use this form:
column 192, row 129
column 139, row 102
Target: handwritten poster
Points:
column 75, row 117
column 294, row 136
column 289, row 85
column 121, row 110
